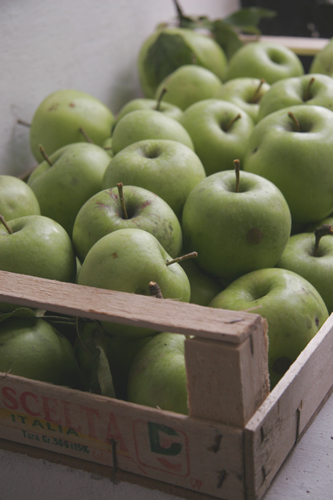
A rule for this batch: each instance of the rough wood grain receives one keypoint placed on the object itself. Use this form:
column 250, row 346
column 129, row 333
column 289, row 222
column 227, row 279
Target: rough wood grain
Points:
column 126, row 308
column 275, row 428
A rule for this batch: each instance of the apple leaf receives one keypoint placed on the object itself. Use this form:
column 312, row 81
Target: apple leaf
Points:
column 226, row 37
column 20, row 312
column 247, row 20
column 225, row 31
column 101, row 378
column 168, row 53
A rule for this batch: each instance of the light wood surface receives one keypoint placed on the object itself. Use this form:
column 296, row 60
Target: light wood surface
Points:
column 299, row 45
column 130, row 309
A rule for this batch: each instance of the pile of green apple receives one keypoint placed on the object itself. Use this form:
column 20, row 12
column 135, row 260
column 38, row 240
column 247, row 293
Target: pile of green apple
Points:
column 223, row 159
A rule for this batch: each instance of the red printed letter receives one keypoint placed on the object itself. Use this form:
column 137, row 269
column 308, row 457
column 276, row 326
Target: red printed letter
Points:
column 6, row 394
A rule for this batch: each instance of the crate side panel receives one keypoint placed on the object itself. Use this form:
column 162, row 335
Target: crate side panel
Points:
column 278, row 424
column 194, row 454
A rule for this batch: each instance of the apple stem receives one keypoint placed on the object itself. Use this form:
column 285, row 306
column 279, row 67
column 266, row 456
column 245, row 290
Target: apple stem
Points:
column 4, row 223
column 155, row 290
column 121, row 199
column 159, row 99
column 257, row 96
column 237, row 169
column 44, row 155
column 308, row 89
column 295, row 121
column 178, row 9
column 85, row 135
column 22, row 122
column 190, row 255
column 321, row 231
column 232, row 121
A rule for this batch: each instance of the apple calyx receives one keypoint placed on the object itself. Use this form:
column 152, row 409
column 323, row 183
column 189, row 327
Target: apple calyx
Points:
column 85, row 135
column 231, row 122
column 122, row 199
column 257, row 95
column 295, row 121
column 155, row 290
column 159, row 99
column 4, row 223
column 307, row 94
column 44, row 155
column 24, row 123
column 191, row 255
column 237, row 170
column 321, row 231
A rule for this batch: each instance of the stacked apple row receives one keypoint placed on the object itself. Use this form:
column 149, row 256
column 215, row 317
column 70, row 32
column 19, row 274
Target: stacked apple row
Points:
column 115, row 203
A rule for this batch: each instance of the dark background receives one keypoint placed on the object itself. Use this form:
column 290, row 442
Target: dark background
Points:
column 305, row 18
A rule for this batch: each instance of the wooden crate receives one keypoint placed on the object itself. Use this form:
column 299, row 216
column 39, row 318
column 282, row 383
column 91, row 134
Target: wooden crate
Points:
column 237, row 434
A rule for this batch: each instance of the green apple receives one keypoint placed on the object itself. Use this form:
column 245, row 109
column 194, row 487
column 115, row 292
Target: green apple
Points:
column 189, row 84
column 32, row 348
column 266, row 60
column 314, row 90
column 235, row 230
column 293, row 308
column 37, row 246
column 145, row 124
column 127, row 260
column 167, row 49
column 293, row 148
column 323, row 60
column 104, row 213
column 204, row 286
column 167, row 168
column 16, row 198
column 158, row 375
column 73, row 174
column 219, row 131
column 144, row 103
column 311, row 256
column 245, row 92
column 59, row 117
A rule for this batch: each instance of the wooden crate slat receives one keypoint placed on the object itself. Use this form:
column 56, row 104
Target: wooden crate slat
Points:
column 276, row 427
column 131, row 309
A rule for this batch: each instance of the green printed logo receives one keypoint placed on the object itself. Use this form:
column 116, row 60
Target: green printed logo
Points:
column 158, row 443
column 168, row 447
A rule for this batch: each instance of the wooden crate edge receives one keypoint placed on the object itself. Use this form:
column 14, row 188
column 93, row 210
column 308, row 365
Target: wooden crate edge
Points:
column 300, row 45
column 288, row 411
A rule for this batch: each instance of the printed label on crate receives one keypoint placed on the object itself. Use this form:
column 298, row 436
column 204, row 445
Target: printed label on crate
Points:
column 132, row 438
column 44, row 420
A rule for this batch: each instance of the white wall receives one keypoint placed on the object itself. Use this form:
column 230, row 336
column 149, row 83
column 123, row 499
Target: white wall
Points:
column 90, row 46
